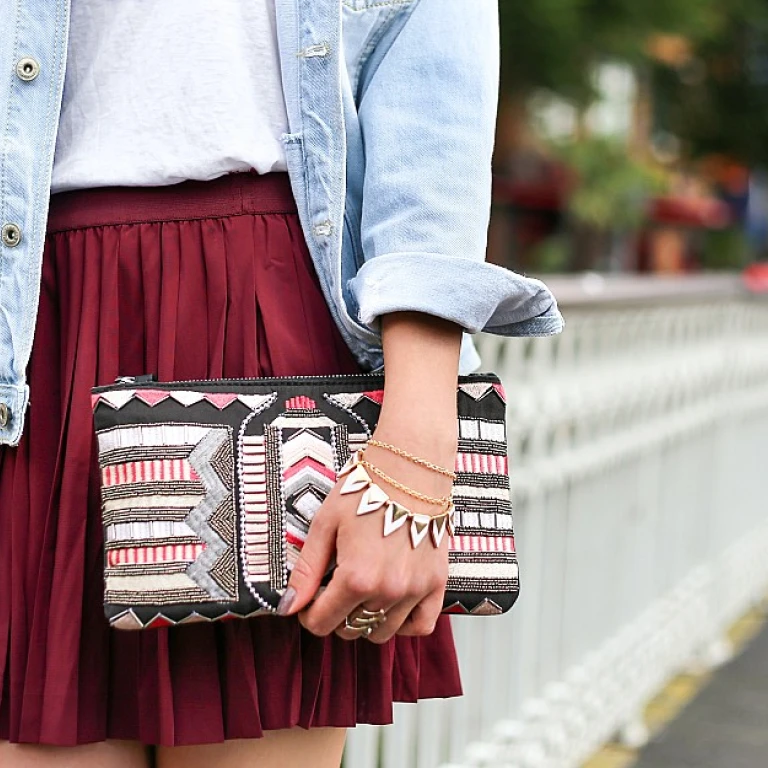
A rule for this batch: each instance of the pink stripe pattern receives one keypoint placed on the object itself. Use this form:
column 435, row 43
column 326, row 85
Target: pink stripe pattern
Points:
column 169, row 553
column 482, row 463
column 300, row 403
column 161, row 470
column 482, row 544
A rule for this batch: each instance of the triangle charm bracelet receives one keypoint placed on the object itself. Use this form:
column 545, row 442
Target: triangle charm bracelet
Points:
column 395, row 514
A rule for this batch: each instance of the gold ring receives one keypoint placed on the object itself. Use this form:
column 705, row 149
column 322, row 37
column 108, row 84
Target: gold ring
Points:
column 377, row 616
column 365, row 621
column 364, row 630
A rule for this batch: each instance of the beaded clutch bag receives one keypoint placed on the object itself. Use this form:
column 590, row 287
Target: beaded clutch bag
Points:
column 209, row 488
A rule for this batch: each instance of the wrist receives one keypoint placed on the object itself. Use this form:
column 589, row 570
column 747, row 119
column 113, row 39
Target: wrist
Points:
column 433, row 440
column 429, row 489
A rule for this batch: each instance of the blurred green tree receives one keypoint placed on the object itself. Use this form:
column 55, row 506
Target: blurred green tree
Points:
column 552, row 43
column 717, row 102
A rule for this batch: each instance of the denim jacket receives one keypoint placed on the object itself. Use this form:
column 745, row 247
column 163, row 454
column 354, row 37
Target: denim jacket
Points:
column 391, row 107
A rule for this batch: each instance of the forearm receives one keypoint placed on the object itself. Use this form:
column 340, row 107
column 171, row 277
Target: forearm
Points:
column 421, row 360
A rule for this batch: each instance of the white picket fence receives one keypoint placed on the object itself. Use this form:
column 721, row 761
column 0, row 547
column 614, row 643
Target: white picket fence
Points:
column 639, row 450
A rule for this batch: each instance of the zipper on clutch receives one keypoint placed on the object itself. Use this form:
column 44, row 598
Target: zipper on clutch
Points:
column 147, row 378
column 151, row 379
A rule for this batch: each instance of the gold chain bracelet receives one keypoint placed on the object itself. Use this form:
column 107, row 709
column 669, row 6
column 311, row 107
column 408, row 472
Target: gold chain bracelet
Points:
column 415, row 459
column 356, row 480
column 442, row 501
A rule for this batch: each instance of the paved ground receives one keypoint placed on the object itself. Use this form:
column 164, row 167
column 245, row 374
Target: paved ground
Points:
column 727, row 725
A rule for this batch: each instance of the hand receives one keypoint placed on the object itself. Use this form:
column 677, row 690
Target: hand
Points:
column 373, row 571
column 421, row 355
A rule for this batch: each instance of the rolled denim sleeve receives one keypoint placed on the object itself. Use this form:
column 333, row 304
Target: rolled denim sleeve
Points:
column 428, row 119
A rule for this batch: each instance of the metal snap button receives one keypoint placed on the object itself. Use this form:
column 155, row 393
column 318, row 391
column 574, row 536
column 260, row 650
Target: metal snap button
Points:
column 323, row 229
column 5, row 415
column 27, row 68
column 11, row 234
column 320, row 50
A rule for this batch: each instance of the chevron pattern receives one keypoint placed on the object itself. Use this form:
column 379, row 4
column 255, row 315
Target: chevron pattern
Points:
column 198, row 519
column 308, row 475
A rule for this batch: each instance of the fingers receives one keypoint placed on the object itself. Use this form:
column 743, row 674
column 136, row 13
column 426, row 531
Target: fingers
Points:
column 410, row 618
column 310, row 568
column 411, row 614
column 423, row 619
column 411, row 607
column 366, row 617
column 396, row 617
column 346, row 591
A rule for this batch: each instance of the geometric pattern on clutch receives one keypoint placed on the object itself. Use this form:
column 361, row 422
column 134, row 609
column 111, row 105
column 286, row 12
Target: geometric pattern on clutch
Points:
column 307, row 449
column 169, row 514
column 482, row 553
column 152, row 397
column 288, row 468
column 184, row 527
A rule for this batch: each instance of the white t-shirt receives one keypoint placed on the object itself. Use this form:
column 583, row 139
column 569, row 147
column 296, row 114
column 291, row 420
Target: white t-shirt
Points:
column 159, row 92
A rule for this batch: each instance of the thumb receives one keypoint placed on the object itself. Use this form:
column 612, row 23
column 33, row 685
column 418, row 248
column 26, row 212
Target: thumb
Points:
column 307, row 573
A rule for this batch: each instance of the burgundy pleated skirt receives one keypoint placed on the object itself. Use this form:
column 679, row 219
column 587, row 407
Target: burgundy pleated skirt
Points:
column 201, row 279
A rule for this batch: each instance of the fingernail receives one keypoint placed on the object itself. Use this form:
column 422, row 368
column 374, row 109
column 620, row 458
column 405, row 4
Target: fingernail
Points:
column 286, row 601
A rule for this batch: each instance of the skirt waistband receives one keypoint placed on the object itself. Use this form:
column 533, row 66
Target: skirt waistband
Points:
column 230, row 195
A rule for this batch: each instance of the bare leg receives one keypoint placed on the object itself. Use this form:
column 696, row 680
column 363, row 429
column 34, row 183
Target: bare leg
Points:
column 295, row 748
column 108, row 754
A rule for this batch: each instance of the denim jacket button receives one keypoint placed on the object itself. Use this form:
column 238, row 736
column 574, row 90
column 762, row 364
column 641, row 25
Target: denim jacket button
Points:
column 323, row 229
column 27, row 69
column 321, row 50
column 5, row 415
column 11, row 235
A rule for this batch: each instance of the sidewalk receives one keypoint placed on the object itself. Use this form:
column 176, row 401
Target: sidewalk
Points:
column 726, row 726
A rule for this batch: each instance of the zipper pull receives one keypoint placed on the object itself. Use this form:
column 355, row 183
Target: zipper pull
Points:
column 147, row 378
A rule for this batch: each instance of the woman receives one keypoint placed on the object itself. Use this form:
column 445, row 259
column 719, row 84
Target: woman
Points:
column 299, row 189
